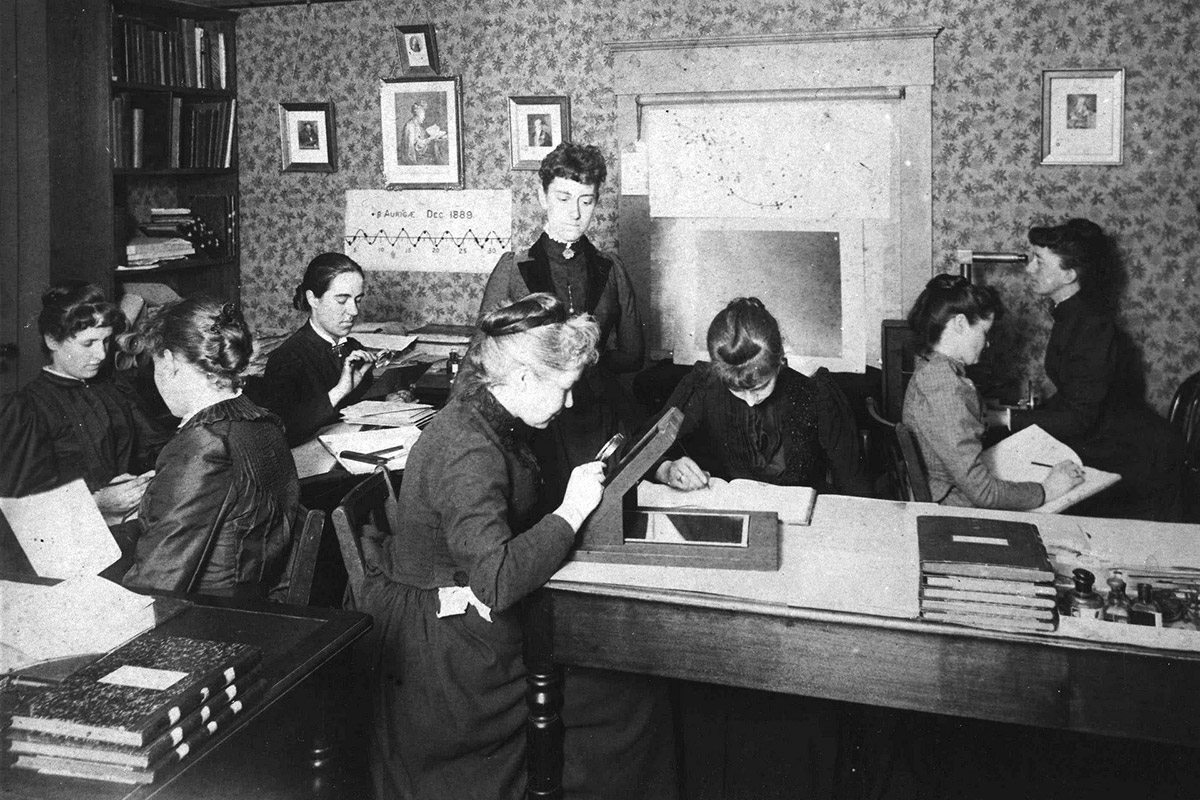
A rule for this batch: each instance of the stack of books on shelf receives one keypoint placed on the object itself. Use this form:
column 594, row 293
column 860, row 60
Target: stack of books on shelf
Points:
column 149, row 251
column 171, row 52
column 136, row 712
column 986, row 573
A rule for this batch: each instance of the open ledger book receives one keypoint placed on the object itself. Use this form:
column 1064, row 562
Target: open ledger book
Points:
column 1020, row 458
column 793, row 504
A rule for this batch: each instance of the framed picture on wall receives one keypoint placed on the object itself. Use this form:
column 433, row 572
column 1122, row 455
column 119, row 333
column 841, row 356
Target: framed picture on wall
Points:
column 417, row 45
column 307, row 137
column 537, row 125
column 1083, row 116
column 422, row 132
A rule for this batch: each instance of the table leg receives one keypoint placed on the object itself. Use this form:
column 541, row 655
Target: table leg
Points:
column 543, row 695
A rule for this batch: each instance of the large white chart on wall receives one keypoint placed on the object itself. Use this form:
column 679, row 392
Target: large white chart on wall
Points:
column 807, row 159
column 428, row 230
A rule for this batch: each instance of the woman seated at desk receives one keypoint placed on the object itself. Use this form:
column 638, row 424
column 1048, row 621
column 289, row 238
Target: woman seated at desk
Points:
column 72, row 421
column 951, row 320
column 1098, row 408
column 445, row 589
column 565, row 263
column 217, row 517
column 320, row 368
column 748, row 415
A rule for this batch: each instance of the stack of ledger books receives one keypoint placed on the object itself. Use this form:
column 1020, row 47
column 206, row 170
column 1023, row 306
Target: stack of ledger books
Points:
column 986, row 573
column 135, row 713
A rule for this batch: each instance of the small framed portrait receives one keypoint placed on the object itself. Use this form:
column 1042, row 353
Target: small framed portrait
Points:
column 537, row 125
column 1083, row 116
column 306, row 136
column 417, row 45
column 422, row 132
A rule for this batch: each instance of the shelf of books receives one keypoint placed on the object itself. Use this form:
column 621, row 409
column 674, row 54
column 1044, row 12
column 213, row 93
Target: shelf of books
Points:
column 173, row 124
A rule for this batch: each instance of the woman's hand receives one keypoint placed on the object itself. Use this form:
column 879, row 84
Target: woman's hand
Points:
column 354, row 369
column 684, row 474
column 1064, row 477
column 584, row 490
column 121, row 495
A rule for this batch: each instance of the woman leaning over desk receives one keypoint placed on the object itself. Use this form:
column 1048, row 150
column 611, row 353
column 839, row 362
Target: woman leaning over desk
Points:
column 217, row 517
column 748, row 415
column 444, row 589
column 72, row 421
column 1098, row 408
column 319, row 368
column 951, row 320
column 565, row 263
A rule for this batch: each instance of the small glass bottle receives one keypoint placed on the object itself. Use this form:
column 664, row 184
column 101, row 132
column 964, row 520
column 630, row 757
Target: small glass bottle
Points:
column 1145, row 610
column 1191, row 602
column 452, row 364
column 1116, row 608
column 1082, row 601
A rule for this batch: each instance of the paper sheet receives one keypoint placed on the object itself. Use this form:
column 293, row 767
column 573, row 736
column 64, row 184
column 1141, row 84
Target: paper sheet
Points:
column 793, row 504
column 1020, row 458
column 61, row 531
column 76, row 617
column 369, row 442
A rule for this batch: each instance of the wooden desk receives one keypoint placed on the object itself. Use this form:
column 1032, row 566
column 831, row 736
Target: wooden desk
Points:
column 296, row 643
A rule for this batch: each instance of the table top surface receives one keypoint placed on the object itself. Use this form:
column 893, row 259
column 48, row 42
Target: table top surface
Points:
column 296, row 641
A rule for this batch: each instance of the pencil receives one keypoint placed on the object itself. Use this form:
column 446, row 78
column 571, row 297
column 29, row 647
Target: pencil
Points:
column 1042, row 464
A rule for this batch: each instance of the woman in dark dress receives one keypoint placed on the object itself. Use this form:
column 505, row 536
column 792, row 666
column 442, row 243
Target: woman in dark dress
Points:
column 320, row 368
column 446, row 649
column 217, row 517
column 1098, row 408
column 73, row 421
column 748, row 415
column 563, row 262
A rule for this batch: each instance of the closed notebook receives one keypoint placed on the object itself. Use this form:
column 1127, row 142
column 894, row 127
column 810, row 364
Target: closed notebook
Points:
column 982, row 548
column 997, row 598
column 120, row 773
column 135, row 692
column 50, row 744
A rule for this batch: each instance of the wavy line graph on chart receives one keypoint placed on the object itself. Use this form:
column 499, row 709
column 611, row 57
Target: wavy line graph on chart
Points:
column 427, row 231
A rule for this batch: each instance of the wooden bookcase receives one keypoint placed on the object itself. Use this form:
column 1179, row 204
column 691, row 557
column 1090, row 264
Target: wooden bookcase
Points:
column 173, row 138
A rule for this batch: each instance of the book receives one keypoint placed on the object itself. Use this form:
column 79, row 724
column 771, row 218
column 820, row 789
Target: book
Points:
column 995, row 623
column 124, row 773
column 138, row 690
column 49, row 744
column 986, row 611
column 982, row 548
column 1025, row 601
column 1023, row 456
column 990, row 585
column 793, row 504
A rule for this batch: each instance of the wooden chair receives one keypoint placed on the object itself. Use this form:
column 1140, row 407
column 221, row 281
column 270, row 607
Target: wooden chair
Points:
column 365, row 511
column 1185, row 416
column 910, row 479
column 302, row 563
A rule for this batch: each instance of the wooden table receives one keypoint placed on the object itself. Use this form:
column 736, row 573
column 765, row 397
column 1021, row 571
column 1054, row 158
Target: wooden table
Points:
column 296, row 643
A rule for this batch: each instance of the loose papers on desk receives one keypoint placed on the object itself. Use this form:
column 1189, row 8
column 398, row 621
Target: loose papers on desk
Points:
column 390, row 413
column 61, row 531
column 1013, row 459
column 793, row 504
column 370, row 442
column 76, row 617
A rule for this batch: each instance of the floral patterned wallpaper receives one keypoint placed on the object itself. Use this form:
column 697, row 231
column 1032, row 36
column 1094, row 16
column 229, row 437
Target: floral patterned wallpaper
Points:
column 988, row 187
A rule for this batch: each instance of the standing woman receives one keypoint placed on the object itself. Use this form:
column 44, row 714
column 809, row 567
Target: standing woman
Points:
column 748, row 415
column 563, row 262
column 72, row 421
column 319, row 368
column 1098, row 408
column 217, row 517
column 448, row 676
column 951, row 320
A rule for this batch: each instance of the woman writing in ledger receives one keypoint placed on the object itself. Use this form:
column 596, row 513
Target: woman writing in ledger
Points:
column 217, row 517
column 1098, row 407
column 951, row 320
column 449, row 680
column 748, row 415
column 72, row 421
column 563, row 262
column 320, row 368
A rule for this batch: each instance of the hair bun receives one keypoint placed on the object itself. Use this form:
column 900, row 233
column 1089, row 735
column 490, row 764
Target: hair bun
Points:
column 947, row 281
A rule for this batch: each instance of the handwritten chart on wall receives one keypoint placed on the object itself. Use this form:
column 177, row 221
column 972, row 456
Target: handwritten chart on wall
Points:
column 802, row 159
column 428, row 231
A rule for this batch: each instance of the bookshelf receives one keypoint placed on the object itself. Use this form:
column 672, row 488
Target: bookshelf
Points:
column 172, row 131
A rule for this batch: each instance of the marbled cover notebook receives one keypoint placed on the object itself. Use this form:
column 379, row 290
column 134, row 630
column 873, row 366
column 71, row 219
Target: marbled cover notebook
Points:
column 133, row 693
